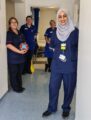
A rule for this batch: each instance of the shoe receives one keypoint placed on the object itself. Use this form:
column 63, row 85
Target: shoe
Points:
column 20, row 90
column 49, row 70
column 24, row 72
column 29, row 72
column 46, row 67
column 65, row 114
column 46, row 114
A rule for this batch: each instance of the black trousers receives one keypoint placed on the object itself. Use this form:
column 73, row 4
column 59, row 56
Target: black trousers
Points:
column 49, row 62
column 48, row 66
column 27, row 63
column 15, row 75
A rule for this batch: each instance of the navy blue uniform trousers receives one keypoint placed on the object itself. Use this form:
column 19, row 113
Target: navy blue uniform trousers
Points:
column 69, row 83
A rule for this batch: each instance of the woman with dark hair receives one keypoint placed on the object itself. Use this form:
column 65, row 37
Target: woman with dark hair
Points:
column 16, row 48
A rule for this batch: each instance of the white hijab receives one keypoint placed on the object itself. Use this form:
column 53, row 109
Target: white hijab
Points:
column 64, row 31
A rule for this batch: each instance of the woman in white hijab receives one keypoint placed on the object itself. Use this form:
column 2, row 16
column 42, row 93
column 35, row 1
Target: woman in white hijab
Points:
column 64, row 64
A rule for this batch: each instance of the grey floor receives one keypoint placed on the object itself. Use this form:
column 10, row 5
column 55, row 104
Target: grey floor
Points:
column 30, row 104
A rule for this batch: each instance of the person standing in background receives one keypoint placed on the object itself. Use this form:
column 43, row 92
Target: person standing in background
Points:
column 48, row 50
column 29, row 31
column 64, row 64
column 16, row 49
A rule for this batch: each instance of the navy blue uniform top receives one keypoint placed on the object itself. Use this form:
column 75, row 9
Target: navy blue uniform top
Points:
column 71, row 53
column 15, row 40
column 29, row 33
column 49, row 52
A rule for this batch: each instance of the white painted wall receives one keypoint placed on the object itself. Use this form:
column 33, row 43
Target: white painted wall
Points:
column 45, row 16
column 23, row 9
column 3, row 58
column 10, row 10
column 20, row 13
column 83, row 100
column 76, row 12
column 18, row 1
column 53, row 3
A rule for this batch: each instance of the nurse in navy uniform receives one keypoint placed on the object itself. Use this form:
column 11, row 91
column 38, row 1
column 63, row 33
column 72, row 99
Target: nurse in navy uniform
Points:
column 16, row 48
column 64, row 64
column 48, row 50
column 29, row 31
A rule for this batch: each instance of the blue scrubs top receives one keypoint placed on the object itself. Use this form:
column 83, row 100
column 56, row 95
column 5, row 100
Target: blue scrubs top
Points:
column 71, row 53
column 15, row 40
column 29, row 34
column 49, row 52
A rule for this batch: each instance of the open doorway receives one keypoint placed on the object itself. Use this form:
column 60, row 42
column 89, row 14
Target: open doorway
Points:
column 45, row 15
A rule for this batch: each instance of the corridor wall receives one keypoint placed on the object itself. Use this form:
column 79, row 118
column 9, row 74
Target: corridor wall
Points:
column 3, row 56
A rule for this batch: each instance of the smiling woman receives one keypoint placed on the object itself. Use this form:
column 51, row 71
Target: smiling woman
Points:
column 64, row 64
column 62, row 18
column 15, row 55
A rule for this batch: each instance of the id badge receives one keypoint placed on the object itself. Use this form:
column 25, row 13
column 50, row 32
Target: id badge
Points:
column 63, row 46
column 62, row 58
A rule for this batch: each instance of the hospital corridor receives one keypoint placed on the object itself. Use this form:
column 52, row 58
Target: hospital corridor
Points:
column 45, row 59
